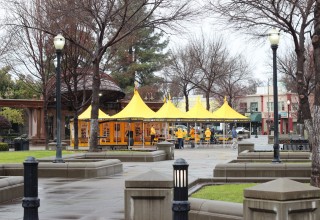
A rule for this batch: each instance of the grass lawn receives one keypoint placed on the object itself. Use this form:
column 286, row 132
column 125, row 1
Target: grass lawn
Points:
column 227, row 192
column 20, row 156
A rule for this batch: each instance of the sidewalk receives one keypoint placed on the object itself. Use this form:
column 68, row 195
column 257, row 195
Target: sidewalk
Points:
column 103, row 198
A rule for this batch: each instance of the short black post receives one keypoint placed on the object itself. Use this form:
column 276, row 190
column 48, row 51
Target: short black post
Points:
column 30, row 201
column 180, row 204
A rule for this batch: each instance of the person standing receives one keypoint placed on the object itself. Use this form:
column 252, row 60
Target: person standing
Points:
column 152, row 134
column 179, row 135
column 192, row 136
column 184, row 135
column 207, row 135
column 234, row 138
column 212, row 141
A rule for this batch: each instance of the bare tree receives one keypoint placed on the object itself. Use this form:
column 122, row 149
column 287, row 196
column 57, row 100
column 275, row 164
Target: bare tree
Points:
column 295, row 18
column 252, row 86
column 235, row 80
column 287, row 69
column 182, row 72
column 107, row 22
column 32, row 55
column 210, row 58
column 75, row 74
column 256, row 17
column 315, row 168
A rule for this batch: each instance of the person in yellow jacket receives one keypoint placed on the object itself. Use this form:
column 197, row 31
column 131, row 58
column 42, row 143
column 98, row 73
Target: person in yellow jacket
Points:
column 207, row 135
column 192, row 134
column 179, row 135
column 152, row 134
column 185, row 135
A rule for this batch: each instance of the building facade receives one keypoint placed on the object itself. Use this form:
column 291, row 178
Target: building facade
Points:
column 260, row 108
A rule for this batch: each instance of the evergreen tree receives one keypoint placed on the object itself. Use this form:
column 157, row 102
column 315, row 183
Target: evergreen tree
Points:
column 138, row 59
column 6, row 83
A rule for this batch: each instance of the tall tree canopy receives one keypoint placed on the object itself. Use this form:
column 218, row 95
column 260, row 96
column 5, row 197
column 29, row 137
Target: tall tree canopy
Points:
column 138, row 58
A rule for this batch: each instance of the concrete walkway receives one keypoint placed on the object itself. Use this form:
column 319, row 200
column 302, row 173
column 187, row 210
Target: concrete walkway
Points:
column 103, row 198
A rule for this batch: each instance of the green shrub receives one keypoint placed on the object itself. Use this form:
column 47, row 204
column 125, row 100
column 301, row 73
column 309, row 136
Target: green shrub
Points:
column 4, row 146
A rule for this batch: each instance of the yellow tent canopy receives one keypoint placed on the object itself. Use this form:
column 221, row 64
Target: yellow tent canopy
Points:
column 87, row 114
column 227, row 114
column 168, row 112
column 135, row 110
column 200, row 113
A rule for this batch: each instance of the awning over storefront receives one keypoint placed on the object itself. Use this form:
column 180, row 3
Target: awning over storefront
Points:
column 227, row 114
column 135, row 110
column 86, row 115
column 255, row 117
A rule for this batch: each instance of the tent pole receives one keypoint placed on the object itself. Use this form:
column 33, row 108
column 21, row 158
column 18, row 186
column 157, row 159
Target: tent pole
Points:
column 129, row 135
column 142, row 134
column 166, row 130
column 224, row 133
column 195, row 134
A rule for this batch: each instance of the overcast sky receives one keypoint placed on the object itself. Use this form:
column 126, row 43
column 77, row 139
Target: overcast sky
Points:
column 258, row 54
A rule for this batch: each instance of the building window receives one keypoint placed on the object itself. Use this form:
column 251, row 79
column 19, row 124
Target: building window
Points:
column 281, row 106
column 243, row 106
column 270, row 106
column 294, row 107
column 254, row 106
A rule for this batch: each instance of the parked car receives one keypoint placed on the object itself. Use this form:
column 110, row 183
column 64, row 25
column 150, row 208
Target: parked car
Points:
column 173, row 129
column 241, row 130
column 183, row 127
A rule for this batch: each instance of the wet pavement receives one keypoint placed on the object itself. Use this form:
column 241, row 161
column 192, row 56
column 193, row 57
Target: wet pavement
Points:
column 103, row 198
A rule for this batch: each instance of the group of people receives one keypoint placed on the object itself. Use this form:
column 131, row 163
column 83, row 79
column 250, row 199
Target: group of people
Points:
column 181, row 134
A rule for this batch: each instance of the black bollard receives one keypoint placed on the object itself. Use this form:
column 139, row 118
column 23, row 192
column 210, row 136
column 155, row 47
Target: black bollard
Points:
column 180, row 204
column 30, row 201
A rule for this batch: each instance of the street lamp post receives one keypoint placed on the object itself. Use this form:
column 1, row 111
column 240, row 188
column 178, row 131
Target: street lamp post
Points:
column 59, row 42
column 288, row 103
column 274, row 41
column 180, row 203
column 268, row 106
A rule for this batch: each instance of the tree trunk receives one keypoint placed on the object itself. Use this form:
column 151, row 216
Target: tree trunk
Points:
column 207, row 100
column 314, row 129
column 76, row 129
column 46, row 125
column 187, row 100
column 315, row 136
column 94, row 125
column 46, row 119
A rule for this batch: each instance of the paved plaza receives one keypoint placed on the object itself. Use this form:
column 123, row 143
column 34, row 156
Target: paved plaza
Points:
column 103, row 198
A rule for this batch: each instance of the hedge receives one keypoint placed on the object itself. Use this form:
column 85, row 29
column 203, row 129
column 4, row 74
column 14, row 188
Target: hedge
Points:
column 4, row 146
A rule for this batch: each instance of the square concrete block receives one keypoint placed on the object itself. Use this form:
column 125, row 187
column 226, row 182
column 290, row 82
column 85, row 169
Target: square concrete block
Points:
column 146, row 204
column 245, row 145
column 282, row 199
column 149, row 196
